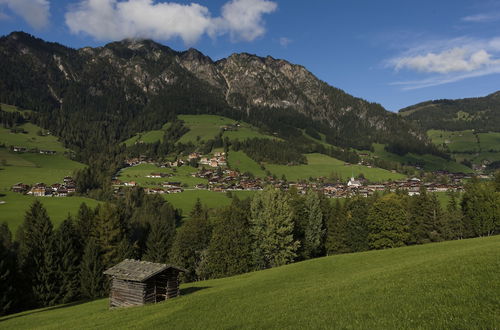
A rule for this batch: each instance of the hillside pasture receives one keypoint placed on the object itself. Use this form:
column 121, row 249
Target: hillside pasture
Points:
column 30, row 139
column 240, row 161
column 13, row 210
column 148, row 136
column 457, row 141
column 319, row 165
column 33, row 168
column 449, row 285
column 202, row 127
column 180, row 174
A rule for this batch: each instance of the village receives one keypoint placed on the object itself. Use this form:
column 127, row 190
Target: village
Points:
column 221, row 178
column 66, row 188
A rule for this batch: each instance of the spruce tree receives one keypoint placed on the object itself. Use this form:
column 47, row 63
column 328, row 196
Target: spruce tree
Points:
column 109, row 233
column 69, row 248
column 85, row 222
column 481, row 209
column 230, row 249
column 8, row 272
column 314, row 231
column 453, row 227
column 424, row 218
column 91, row 271
column 191, row 241
column 357, row 225
column 336, row 234
column 272, row 229
column 161, row 235
column 388, row 222
column 37, row 255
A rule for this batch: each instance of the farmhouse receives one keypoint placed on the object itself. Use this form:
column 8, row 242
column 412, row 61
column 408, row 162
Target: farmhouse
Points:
column 135, row 282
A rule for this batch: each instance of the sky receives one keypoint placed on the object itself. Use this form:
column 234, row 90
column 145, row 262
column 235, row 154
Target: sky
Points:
column 396, row 53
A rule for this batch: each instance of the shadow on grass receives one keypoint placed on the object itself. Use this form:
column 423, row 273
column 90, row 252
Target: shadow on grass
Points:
column 26, row 313
column 193, row 289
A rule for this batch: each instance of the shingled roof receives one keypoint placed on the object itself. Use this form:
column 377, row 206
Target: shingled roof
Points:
column 136, row 270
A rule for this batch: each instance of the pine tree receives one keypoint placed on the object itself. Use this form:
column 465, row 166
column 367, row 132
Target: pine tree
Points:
column 336, row 234
column 91, row 271
column 191, row 241
column 37, row 254
column 69, row 248
column 481, row 209
column 424, row 218
column 8, row 272
column 109, row 233
column 272, row 229
column 314, row 231
column 453, row 227
column 161, row 235
column 85, row 222
column 230, row 249
column 388, row 223
column 357, row 225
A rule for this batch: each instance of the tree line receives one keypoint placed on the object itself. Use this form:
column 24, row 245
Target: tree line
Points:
column 44, row 266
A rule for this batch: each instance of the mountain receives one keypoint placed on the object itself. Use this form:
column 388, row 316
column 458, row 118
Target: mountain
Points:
column 129, row 86
column 479, row 113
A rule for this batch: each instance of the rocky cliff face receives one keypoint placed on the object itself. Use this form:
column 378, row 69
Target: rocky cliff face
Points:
column 140, row 70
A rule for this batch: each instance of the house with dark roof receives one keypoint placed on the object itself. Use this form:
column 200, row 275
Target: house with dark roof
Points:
column 135, row 283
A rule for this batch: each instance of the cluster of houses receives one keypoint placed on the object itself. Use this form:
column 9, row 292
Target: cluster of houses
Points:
column 218, row 159
column 39, row 151
column 64, row 189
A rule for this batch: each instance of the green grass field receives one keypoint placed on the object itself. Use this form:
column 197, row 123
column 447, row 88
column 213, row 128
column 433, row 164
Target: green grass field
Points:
column 322, row 165
column 30, row 139
column 58, row 208
column 148, row 137
column 458, row 141
column 203, row 126
column 181, row 174
column 186, row 200
column 431, row 163
column 32, row 168
column 12, row 108
column 247, row 131
column 240, row 161
column 450, row 285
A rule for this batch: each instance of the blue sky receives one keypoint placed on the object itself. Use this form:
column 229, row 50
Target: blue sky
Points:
column 396, row 53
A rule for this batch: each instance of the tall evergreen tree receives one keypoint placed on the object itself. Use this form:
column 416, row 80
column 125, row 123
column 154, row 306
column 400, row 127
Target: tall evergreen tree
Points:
column 453, row 227
column 272, row 229
column 85, row 222
column 161, row 235
column 314, row 231
column 37, row 254
column 109, row 233
column 230, row 248
column 481, row 208
column 424, row 218
column 336, row 235
column 388, row 223
column 69, row 249
column 8, row 272
column 91, row 271
column 191, row 241
column 357, row 225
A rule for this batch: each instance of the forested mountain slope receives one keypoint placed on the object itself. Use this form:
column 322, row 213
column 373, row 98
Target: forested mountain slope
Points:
column 94, row 97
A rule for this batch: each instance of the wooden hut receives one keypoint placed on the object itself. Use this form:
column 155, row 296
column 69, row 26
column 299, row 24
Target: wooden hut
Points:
column 135, row 282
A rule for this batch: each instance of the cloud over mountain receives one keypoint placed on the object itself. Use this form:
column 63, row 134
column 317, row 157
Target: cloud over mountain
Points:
column 35, row 12
column 113, row 19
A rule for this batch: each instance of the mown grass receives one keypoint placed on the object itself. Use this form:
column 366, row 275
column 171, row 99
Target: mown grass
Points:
column 202, row 127
column 186, row 200
column 240, row 161
column 247, row 131
column 148, row 136
column 431, row 162
column 12, row 108
column 35, row 168
column 30, row 139
column 457, row 141
column 58, row 208
column 450, row 285
column 322, row 165
column 181, row 174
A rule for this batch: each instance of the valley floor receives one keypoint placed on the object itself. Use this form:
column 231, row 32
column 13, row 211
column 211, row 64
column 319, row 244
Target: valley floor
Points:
column 450, row 285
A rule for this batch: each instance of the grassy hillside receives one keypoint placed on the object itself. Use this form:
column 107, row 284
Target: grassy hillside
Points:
column 138, row 174
column 58, row 208
column 240, row 161
column 202, row 127
column 30, row 139
column 322, row 165
column 452, row 285
column 148, row 136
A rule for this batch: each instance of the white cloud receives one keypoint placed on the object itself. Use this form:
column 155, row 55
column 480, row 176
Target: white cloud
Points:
column 35, row 12
column 284, row 41
column 113, row 19
column 481, row 18
column 448, row 61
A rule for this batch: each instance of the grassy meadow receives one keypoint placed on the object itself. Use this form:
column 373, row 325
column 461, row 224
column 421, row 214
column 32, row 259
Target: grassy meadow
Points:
column 148, row 136
column 449, row 285
column 240, row 161
column 31, row 168
column 30, row 139
column 15, row 206
column 202, row 127
column 322, row 165
column 181, row 174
